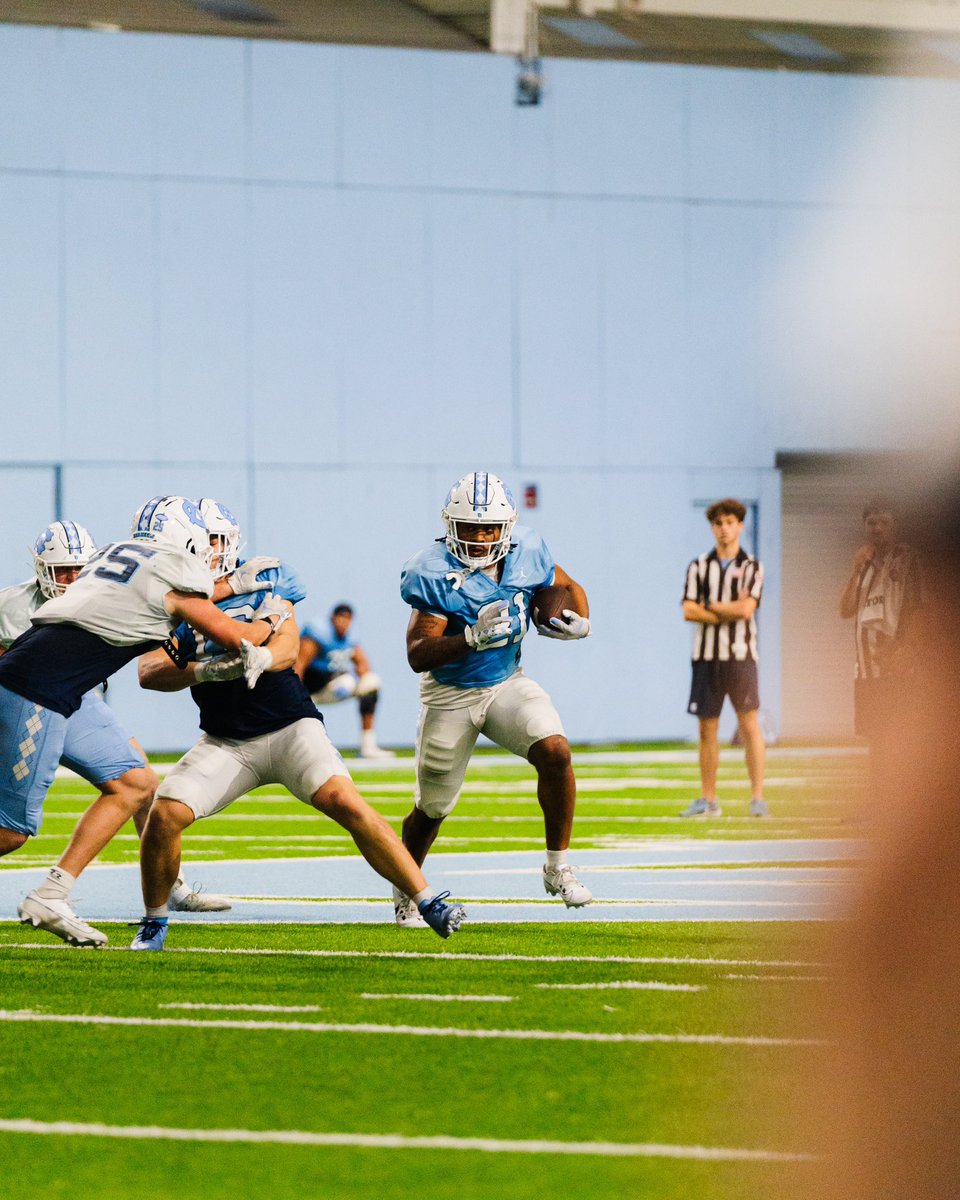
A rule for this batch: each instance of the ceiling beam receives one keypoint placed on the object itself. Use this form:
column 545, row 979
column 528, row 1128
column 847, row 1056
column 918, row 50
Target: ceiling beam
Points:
column 915, row 16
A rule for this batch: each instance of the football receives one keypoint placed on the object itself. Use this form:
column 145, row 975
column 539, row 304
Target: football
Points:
column 549, row 602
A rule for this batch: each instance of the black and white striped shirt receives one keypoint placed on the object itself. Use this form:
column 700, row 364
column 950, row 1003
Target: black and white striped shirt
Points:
column 709, row 580
column 890, row 591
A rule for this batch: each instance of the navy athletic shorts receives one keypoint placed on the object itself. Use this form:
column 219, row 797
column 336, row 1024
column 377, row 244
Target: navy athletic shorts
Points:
column 713, row 681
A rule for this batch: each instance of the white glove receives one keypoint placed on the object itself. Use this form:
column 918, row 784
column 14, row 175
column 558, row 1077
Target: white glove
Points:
column 256, row 660
column 219, row 669
column 492, row 628
column 244, row 579
column 567, row 628
column 367, row 683
column 275, row 608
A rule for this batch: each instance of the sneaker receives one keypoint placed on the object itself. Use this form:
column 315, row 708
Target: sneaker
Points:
column 442, row 918
column 406, row 913
column 377, row 752
column 563, row 883
column 702, row 808
column 151, row 935
column 197, row 901
column 758, row 808
column 58, row 918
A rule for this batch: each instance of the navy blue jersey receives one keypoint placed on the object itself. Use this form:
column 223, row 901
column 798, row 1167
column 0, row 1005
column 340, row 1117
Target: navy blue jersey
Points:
column 54, row 665
column 231, row 709
column 434, row 581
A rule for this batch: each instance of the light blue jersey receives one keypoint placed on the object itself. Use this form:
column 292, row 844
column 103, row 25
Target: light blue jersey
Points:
column 280, row 581
column 434, row 581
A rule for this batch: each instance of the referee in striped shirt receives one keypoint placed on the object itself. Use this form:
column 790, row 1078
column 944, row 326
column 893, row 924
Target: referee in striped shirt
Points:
column 720, row 598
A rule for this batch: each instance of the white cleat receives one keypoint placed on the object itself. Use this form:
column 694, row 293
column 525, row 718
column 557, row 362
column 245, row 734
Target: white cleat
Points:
column 197, row 901
column 406, row 912
column 375, row 752
column 563, row 883
column 58, row 918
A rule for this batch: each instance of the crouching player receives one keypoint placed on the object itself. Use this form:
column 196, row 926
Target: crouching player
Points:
column 259, row 726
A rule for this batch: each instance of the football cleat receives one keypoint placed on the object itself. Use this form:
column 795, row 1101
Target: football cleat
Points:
column 196, row 900
column 58, row 918
column 442, row 918
column 151, row 935
column 702, row 808
column 758, row 808
column 562, row 882
column 406, row 913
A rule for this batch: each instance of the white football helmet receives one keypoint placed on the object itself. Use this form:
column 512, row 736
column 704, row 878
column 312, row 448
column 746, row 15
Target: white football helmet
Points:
column 222, row 524
column 175, row 522
column 478, row 499
column 62, row 544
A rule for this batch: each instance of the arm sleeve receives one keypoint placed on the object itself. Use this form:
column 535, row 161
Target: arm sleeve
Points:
column 755, row 580
column 422, row 592
column 184, row 573
column 691, row 587
column 285, row 583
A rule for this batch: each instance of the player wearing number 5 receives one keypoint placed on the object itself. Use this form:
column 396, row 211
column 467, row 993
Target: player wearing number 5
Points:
column 123, row 602
column 470, row 593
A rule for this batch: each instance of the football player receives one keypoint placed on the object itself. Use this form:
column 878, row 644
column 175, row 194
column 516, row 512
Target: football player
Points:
column 470, row 594
column 97, row 747
column 259, row 726
column 124, row 600
column 334, row 667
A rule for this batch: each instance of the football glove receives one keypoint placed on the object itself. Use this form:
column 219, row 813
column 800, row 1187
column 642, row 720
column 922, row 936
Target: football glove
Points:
column 244, row 579
column 219, row 669
column 274, row 610
column 256, row 660
column 492, row 627
column 567, row 628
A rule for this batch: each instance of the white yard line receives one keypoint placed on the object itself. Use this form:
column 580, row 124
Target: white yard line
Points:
column 452, row 956
column 266, row 1008
column 430, row 996
column 29, row 1016
column 784, row 978
column 394, row 1141
column 633, row 984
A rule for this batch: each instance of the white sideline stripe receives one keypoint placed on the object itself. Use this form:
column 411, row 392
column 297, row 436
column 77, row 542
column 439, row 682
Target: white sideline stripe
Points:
column 429, row 996
column 396, row 1141
column 452, row 956
column 638, row 984
column 272, row 1008
column 518, row 1035
column 784, row 978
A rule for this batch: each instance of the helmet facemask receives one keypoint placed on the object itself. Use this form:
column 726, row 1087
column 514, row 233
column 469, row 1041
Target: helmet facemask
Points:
column 478, row 499
column 223, row 526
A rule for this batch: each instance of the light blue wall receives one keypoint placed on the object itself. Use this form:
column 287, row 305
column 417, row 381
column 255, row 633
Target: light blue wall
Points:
column 320, row 283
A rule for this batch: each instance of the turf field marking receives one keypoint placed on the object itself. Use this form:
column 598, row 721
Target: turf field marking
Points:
column 638, row 984
column 429, row 996
column 271, row 1008
column 450, row 1031
column 451, row 955
column 394, row 1141
column 784, row 978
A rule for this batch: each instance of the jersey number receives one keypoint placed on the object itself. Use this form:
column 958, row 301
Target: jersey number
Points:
column 125, row 566
column 521, row 606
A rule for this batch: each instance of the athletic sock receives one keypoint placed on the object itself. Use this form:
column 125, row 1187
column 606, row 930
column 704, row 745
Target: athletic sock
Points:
column 57, row 884
column 160, row 913
column 426, row 894
column 556, row 859
column 181, row 889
